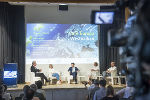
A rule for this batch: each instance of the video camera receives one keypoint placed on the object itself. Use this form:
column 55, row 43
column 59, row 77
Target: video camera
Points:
column 134, row 43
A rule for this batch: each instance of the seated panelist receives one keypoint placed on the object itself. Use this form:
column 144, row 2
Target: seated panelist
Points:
column 94, row 71
column 73, row 71
column 112, row 71
column 37, row 72
column 54, row 73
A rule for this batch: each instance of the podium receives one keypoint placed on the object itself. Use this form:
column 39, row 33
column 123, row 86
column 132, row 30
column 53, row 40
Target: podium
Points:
column 10, row 74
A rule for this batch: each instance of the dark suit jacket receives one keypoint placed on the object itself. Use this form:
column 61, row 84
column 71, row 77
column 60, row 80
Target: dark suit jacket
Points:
column 34, row 69
column 70, row 70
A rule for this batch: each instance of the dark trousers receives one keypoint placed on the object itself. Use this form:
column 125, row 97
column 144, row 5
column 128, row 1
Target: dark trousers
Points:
column 74, row 74
column 42, row 76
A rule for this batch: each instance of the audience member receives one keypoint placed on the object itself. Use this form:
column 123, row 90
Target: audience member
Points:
column 110, row 94
column 29, row 93
column 73, row 71
column 39, row 88
column 126, row 92
column 1, row 92
column 91, row 83
column 94, row 71
column 36, row 94
column 25, row 88
column 92, row 91
column 6, row 95
column 53, row 73
column 99, row 94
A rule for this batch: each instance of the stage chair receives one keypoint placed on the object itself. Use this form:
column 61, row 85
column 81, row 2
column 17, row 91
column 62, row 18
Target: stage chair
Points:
column 33, row 78
column 113, row 79
column 119, row 79
column 70, row 77
column 51, row 78
column 99, row 77
column 79, row 78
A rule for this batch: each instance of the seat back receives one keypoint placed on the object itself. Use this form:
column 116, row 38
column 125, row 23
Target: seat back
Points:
column 32, row 75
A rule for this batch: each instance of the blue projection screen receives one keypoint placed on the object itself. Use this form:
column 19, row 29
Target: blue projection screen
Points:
column 61, row 43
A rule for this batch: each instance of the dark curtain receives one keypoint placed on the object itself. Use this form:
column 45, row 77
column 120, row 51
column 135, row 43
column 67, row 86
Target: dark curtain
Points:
column 12, row 37
column 108, row 54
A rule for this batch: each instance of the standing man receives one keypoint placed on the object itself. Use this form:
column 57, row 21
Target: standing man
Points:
column 36, row 71
column 73, row 71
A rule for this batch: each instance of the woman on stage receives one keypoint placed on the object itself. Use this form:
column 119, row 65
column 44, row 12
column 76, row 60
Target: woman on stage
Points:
column 53, row 73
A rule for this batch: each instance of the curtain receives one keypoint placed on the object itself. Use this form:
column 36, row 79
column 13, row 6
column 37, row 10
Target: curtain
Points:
column 108, row 54
column 12, row 37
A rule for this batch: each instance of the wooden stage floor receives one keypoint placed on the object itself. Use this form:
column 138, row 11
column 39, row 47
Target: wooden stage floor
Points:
column 60, row 86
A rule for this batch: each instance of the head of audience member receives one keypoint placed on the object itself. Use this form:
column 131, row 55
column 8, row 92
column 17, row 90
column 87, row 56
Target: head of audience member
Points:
column 5, row 87
column 39, row 84
column 93, row 81
column 102, row 83
column 112, row 64
column 110, row 91
column 33, row 87
column 1, row 91
column 96, row 83
column 25, row 88
column 34, row 63
column 90, row 81
column 50, row 66
column 72, row 64
column 29, row 94
column 95, row 64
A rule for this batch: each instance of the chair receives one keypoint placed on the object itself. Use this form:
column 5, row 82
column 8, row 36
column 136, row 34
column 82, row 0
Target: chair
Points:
column 33, row 78
column 113, row 79
column 51, row 78
column 70, row 77
column 79, row 78
column 119, row 79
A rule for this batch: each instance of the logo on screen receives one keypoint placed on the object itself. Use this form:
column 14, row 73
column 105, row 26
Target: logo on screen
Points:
column 10, row 74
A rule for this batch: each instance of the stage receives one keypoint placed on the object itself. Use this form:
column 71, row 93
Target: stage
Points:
column 63, row 91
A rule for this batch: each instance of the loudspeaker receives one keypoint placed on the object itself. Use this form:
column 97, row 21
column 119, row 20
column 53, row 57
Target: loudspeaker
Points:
column 63, row 7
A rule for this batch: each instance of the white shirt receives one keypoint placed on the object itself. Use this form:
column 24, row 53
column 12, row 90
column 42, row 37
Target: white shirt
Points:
column 73, row 69
column 51, row 72
column 113, row 71
column 95, row 73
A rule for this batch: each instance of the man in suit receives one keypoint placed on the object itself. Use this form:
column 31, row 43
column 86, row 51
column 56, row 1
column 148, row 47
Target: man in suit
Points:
column 73, row 71
column 36, row 71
